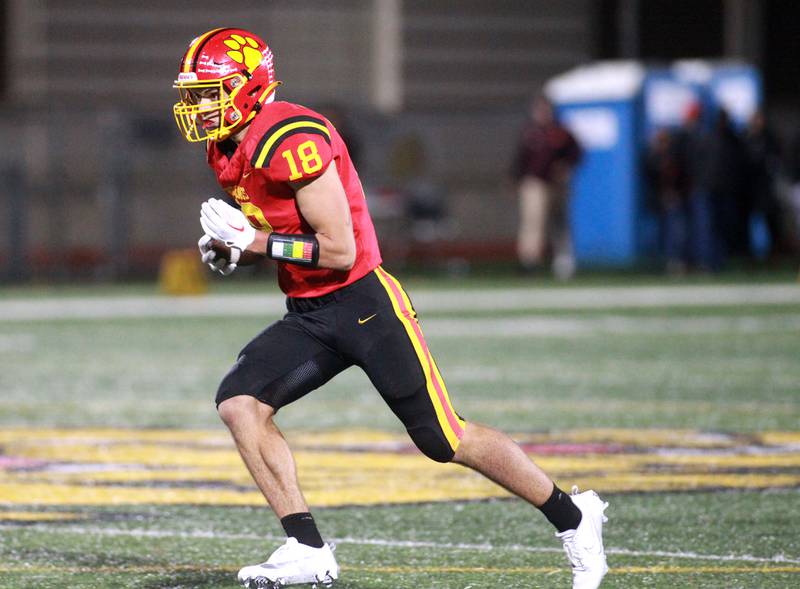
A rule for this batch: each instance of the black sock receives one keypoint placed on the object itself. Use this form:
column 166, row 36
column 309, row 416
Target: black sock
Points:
column 561, row 511
column 302, row 527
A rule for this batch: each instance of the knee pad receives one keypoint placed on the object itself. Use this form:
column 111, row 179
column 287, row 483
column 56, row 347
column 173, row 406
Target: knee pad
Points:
column 431, row 442
column 419, row 417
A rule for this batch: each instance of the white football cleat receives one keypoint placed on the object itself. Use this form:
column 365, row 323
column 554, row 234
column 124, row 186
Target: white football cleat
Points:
column 584, row 545
column 292, row 564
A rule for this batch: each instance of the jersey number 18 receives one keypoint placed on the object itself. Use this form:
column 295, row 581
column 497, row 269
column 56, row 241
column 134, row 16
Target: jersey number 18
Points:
column 309, row 160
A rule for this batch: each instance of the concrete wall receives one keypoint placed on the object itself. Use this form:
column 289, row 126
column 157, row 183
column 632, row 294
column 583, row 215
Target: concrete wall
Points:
column 466, row 70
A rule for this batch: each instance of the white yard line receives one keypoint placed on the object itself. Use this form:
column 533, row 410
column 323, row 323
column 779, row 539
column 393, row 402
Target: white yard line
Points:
column 607, row 297
column 272, row 304
column 199, row 534
column 483, row 327
column 553, row 326
column 17, row 342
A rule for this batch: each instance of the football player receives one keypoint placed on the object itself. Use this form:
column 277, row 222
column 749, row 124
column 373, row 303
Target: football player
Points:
column 300, row 202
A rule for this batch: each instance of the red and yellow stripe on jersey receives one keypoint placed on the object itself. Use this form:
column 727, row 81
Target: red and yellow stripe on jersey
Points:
column 452, row 425
column 286, row 128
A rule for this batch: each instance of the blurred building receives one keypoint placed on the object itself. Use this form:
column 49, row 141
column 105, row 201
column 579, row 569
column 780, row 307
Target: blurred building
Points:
column 97, row 181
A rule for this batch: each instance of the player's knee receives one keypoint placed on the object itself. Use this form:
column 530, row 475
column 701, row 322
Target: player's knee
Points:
column 422, row 424
column 233, row 411
column 431, row 442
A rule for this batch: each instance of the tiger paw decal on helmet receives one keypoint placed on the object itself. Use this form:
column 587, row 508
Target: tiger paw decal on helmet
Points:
column 244, row 50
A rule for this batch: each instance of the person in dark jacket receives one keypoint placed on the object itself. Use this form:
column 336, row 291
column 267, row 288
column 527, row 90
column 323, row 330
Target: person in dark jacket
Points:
column 545, row 157
column 667, row 179
column 764, row 152
column 693, row 144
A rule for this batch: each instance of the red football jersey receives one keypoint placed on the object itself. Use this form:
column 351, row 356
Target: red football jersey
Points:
column 287, row 143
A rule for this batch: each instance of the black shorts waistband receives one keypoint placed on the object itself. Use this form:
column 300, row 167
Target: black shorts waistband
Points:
column 307, row 304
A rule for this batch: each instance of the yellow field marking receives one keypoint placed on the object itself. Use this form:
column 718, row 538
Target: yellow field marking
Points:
column 123, row 467
column 629, row 437
column 731, row 460
column 57, row 435
column 410, row 570
column 644, row 438
column 781, row 438
column 38, row 516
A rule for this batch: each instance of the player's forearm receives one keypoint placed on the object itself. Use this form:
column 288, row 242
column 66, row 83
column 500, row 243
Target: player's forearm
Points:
column 335, row 252
column 259, row 243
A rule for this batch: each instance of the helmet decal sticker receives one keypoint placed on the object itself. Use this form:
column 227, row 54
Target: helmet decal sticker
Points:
column 244, row 50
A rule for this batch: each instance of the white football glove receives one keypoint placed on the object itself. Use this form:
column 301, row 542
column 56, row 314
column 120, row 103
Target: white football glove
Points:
column 209, row 256
column 226, row 223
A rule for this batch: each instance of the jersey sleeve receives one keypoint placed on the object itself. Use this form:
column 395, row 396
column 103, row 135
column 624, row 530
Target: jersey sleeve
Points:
column 297, row 148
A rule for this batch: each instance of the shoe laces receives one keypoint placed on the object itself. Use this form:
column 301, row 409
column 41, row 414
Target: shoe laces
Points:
column 279, row 554
column 574, row 552
column 604, row 503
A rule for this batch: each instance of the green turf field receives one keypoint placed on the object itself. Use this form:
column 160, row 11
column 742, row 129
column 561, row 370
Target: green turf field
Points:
column 682, row 413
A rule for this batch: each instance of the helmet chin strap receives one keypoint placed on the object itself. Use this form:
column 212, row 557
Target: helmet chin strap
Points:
column 270, row 91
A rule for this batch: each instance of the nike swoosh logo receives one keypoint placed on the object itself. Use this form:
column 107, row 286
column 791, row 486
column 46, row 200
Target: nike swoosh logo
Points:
column 236, row 228
column 363, row 321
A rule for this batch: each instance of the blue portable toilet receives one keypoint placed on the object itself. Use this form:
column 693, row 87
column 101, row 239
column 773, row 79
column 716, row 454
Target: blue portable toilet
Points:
column 669, row 92
column 601, row 105
column 613, row 109
column 738, row 89
column 734, row 86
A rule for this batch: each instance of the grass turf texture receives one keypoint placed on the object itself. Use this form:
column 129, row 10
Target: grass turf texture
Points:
column 445, row 545
column 163, row 373
column 728, row 376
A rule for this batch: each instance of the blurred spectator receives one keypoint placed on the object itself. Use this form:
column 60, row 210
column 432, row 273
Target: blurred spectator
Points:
column 668, row 182
column 731, row 198
column 545, row 158
column 693, row 144
column 764, row 153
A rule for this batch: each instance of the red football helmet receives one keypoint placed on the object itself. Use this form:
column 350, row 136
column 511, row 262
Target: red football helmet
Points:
column 225, row 77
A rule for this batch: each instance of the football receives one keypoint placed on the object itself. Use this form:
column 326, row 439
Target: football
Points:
column 247, row 258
